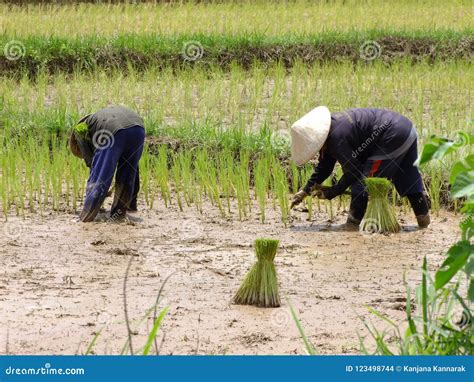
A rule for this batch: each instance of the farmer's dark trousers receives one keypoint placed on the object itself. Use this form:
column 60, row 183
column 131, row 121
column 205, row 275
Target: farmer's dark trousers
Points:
column 403, row 174
column 120, row 158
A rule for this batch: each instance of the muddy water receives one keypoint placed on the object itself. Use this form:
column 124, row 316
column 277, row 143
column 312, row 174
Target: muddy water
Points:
column 61, row 282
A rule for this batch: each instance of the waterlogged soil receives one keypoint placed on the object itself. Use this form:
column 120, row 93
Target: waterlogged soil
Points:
column 61, row 282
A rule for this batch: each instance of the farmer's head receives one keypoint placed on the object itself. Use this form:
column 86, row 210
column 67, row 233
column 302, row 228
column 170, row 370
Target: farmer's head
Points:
column 309, row 134
column 73, row 146
column 80, row 131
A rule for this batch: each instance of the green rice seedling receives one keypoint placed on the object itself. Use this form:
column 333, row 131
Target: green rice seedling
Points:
column 245, row 176
column 380, row 216
column 309, row 205
column 207, row 174
column 226, row 175
column 241, row 183
column 295, row 177
column 162, row 174
column 260, row 285
column 187, row 179
column 435, row 185
column 261, row 185
column 280, row 184
column 176, row 173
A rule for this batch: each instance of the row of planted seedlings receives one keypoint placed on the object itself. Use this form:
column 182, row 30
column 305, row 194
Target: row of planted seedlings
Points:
column 37, row 173
column 188, row 178
column 233, row 182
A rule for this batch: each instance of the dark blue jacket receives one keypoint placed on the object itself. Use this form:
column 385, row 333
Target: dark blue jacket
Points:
column 355, row 136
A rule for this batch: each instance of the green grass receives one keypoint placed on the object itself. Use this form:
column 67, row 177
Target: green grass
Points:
column 141, row 51
column 271, row 18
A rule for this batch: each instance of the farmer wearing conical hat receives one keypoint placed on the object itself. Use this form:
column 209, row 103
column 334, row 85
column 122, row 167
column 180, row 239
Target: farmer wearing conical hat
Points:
column 366, row 142
column 111, row 142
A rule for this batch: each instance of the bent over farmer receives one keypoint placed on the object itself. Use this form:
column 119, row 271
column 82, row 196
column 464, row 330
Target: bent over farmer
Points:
column 111, row 142
column 366, row 142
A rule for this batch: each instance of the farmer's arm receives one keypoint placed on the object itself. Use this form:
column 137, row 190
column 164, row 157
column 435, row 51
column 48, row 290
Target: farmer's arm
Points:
column 351, row 167
column 321, row 172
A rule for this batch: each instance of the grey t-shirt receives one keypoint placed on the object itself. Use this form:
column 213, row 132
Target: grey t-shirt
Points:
column 110, row 119
column 113, row 119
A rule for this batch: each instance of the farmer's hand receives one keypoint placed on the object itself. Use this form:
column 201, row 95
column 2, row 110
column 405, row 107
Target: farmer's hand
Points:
column 298, row 198
column 323, row 192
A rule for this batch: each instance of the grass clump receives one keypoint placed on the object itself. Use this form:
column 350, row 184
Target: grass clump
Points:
column 380, row 216
column 260, row 286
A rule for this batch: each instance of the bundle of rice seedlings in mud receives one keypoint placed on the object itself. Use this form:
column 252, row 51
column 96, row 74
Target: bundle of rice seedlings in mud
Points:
column 260, row 286
column 380, row 215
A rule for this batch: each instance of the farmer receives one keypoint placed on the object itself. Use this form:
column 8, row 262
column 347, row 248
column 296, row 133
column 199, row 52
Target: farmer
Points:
column 366, row 142
column 110, row 141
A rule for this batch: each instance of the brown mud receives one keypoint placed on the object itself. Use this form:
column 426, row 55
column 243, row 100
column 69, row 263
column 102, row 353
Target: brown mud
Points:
column 61, row 282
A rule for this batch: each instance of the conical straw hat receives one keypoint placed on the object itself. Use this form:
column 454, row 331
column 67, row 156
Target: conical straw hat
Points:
column 309, row 133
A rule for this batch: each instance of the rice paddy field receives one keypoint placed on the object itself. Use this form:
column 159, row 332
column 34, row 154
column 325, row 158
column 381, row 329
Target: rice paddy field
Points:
column 218, row 84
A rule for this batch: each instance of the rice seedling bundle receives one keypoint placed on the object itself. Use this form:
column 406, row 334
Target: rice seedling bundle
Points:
column 81, row 130
column 380, row 215
column 260, row 286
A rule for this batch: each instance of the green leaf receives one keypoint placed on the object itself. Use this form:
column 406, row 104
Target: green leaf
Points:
column 463, row 185
column 91, row 345
column 470, row 266
column 456, row 259
column 424, row 298
column 470, row 293
column 437, row 148
column 309, row 346
column 154, row 331
column 465, row 165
